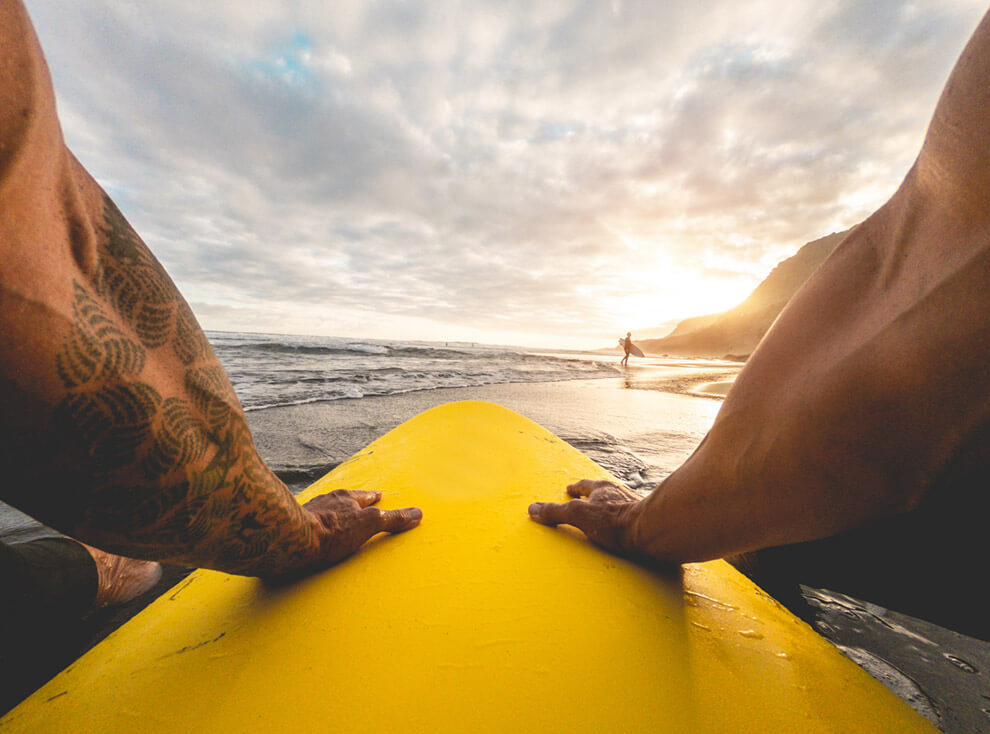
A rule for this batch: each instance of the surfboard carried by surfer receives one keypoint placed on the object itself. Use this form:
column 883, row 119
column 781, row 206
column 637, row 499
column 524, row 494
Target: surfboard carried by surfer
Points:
column 630, row 348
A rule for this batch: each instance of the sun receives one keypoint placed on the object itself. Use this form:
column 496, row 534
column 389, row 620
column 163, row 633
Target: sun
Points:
column 660, row 289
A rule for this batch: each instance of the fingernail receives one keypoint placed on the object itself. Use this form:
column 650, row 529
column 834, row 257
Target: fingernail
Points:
column 416, row 514
column 536, row 508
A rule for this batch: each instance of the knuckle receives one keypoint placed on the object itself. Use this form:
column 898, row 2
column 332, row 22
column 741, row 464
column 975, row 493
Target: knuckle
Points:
column 330, row 522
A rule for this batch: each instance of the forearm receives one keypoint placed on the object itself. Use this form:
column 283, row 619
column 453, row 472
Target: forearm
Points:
column 873, row 377
column 120, row 426
column 124, row 430
column 867, row 394
column 161, row 459
column 854, row 404
column 194, row 490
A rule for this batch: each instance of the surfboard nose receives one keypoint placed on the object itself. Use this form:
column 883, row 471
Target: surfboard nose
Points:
column 478, row 620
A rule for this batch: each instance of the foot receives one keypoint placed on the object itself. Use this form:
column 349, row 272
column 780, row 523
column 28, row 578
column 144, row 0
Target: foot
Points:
column 121, row 579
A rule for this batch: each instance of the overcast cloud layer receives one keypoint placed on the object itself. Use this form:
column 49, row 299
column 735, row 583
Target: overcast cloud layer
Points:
column 526, row 172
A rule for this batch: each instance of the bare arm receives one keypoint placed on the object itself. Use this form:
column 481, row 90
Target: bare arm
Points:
column 867, row 387
column 124, row 429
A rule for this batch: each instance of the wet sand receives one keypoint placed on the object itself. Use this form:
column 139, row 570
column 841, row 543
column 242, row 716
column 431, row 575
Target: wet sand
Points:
column 640, row 426
column 643, row 423
column 619, row 422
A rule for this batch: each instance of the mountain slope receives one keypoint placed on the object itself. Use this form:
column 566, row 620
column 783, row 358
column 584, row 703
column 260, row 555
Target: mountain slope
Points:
column 738, row 330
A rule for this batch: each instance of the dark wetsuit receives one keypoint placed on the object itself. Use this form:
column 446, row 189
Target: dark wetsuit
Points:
column 47, row 586
column 47, row 579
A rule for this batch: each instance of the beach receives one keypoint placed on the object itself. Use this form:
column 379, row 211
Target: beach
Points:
column 640, row 427
column 640, row 423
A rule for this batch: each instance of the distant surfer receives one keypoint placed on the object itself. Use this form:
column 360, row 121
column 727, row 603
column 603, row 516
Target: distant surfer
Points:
column 854, row 449
column 630, row 348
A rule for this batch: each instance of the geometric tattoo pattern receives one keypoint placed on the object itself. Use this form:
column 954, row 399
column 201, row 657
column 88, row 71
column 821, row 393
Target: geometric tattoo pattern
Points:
column 139, row 443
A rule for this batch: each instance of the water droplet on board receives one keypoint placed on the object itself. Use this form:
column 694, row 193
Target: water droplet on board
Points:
column 960, row 663
column 693, row 597
column 751, row 634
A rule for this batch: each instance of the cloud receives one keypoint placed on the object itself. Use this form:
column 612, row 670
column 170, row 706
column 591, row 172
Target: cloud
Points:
column 560, row 169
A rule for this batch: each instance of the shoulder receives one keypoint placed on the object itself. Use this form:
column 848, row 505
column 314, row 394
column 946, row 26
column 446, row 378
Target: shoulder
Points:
column 954, row 165
column 28, row 124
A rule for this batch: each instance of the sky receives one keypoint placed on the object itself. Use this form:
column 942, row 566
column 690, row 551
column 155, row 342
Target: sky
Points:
column 534, row 173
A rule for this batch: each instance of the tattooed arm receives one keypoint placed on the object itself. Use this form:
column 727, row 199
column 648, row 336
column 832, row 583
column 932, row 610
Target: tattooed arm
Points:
column 123, row 428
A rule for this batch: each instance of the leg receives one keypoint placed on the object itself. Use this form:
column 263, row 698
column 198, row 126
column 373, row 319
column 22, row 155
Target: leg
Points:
column 925, row 563
column 52, row 579
column 47, row 587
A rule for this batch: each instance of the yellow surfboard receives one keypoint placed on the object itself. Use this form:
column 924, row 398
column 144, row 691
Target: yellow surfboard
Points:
column 480, row 620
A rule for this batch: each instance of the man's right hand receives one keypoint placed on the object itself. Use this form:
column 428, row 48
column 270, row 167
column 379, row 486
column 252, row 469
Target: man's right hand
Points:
column 602, row 510
column 349, row 518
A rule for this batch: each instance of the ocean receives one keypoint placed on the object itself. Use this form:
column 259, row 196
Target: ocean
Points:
column 275, row 370
column 313, row 401
column 342, row 377
column 369, row 386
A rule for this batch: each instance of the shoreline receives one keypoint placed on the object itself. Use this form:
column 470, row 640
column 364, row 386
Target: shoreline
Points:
column 640, row 425
column 352, row 423
column 624, row 423
column 710, row 383
column 618, row 421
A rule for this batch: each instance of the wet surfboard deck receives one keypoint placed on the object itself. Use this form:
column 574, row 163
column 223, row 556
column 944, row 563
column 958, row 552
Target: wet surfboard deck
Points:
column 479, row 620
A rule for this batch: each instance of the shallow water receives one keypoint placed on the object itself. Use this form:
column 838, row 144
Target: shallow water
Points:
column 943, row 675
column 275, row 370
column 312, row 402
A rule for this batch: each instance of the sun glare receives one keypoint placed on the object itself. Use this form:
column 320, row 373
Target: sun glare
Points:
column 680, row 294
column 661, row 289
